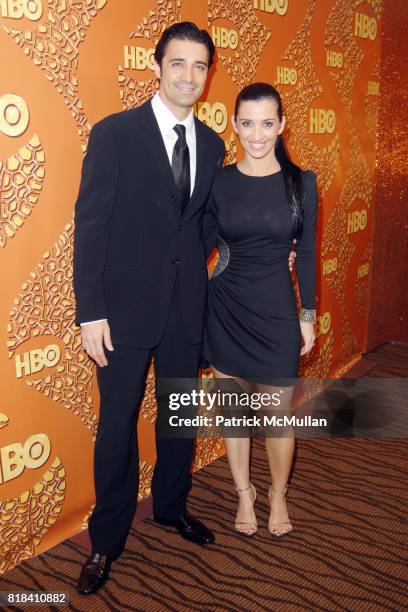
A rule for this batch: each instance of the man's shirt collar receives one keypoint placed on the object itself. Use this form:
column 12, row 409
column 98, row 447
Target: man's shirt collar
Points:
column 167, row 120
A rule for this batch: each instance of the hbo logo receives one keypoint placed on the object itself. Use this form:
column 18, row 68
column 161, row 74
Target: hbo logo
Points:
column 35, row 360
column 14, row 115
column 213, row 115
column 286, row 76
column 363, row 270
column 270, row 6
column 330, row 265
column 357, row 220
column 373, row 88
column 322, row 121
column 138, row 58
column 323, row 324
column 16, row 9
column 224, row 38
column 334, row 59
column 15, row 457
column 365, row 26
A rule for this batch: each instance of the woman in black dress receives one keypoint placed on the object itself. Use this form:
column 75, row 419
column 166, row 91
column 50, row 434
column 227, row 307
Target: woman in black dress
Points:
column 253, row 331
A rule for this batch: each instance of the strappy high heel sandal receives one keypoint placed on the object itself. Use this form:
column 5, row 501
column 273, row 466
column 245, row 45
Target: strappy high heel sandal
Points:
column 274, row 528
column 252, row 528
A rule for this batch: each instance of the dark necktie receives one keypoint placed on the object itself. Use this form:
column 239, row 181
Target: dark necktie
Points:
column 180, row 164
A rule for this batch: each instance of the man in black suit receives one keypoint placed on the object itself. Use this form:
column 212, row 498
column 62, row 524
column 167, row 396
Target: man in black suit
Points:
column 140, row 281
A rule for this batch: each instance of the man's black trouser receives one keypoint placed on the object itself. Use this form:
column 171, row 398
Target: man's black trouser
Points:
column 116, row 459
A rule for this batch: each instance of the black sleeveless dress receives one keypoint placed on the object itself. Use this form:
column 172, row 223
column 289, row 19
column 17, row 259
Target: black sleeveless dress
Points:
column 251, row 327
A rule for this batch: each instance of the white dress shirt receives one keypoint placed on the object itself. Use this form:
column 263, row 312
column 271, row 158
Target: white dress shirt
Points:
column 167, row 121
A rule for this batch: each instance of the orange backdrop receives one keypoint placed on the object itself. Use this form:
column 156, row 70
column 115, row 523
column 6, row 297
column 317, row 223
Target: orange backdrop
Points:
column 67, row 64
column 388, row 297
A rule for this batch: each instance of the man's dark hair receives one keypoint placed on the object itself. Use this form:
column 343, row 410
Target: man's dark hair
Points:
column 185, row 30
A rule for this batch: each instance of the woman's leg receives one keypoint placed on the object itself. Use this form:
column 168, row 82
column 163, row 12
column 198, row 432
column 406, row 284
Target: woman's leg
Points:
column 280, row 446
column 238, row 452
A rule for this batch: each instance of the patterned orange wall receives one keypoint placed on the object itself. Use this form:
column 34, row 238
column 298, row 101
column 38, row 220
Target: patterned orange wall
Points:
column 388, row 298
column 67, row 64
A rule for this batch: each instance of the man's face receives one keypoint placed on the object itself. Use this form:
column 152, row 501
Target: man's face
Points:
column 182, row 74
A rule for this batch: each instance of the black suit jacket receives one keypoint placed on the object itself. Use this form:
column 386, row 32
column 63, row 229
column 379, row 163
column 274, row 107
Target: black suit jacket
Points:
column 130, row 238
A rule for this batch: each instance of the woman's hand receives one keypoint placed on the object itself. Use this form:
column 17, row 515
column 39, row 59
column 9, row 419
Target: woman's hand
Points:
column 292, row 256
column 308, row 335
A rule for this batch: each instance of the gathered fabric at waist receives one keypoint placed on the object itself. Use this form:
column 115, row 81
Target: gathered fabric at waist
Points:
column 254, row 259
column 259, row 280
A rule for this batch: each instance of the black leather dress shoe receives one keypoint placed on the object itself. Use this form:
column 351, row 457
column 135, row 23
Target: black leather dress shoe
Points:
column 94, row 573
column 189, row 528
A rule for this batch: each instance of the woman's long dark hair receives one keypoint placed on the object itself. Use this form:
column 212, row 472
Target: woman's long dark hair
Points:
column 292, row 174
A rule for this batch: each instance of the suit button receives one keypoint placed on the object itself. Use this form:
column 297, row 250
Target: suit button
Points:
column 174, row 197
column 176, row 260
column 180, row 227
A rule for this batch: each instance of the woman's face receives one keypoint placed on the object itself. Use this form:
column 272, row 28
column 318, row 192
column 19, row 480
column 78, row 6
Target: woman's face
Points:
column 257, row 125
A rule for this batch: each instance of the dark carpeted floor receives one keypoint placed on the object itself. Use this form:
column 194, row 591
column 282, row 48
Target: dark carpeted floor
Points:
column 347, row 500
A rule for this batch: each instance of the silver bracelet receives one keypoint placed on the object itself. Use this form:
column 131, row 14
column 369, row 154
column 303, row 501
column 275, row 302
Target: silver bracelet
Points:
column 309, row 316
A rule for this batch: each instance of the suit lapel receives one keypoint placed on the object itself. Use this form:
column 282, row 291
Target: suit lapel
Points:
column 149, row 133
column 200, row 164
column 199, row 158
